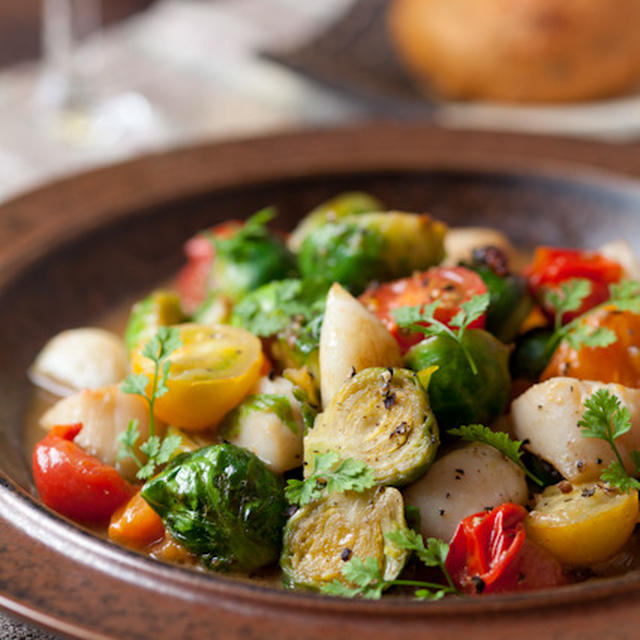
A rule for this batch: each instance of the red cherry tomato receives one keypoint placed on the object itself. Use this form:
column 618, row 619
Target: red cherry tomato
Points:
column 74, row 483
column 552, row 266
column 490, row 553
column 194, row 279
column 450, row 285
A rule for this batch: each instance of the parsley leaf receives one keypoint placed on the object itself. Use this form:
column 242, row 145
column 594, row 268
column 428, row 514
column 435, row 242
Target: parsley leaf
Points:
column 625, row 296
column 606, row 418
column 158, row 451
column 569, row 298
column 330, row 475
column 422, row 319
column 275, row 307
column 498, row 440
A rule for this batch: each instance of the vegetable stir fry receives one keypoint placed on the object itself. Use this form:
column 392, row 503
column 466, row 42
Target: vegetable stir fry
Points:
column 371, row 403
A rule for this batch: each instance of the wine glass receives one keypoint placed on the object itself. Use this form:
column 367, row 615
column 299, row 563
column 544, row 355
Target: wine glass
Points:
column 74, row 100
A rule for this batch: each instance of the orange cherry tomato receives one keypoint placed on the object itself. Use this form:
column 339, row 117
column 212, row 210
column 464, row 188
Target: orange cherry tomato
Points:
column 210, row 374
column 136, row 524
column 619, row 362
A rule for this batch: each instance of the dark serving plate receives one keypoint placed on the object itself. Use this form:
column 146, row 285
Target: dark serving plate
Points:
column 74, row 249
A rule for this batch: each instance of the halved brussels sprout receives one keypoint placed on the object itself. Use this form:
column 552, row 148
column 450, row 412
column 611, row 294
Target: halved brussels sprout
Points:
column 372, row 246
column 160, row 308
column 458, row 396
column 382, row 417
column 345, row 204
column 222, row 504
column 320, row 537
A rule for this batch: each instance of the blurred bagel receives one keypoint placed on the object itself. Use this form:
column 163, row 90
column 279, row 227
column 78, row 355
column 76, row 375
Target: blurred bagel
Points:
column 519, row 50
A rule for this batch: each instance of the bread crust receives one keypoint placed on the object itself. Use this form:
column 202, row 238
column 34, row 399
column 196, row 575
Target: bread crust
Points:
column 519, row 50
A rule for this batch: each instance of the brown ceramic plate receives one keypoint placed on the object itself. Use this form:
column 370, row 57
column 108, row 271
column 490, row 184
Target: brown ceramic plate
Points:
column 72, row 250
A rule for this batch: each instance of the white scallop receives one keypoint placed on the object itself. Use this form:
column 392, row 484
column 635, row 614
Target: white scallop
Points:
column 85, row 358
column 352, row 338
column 104, row 413
column 464, row 481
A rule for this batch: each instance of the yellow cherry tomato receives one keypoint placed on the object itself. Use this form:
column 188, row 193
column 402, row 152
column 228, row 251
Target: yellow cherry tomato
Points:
column 210, row 374
column 585, row 523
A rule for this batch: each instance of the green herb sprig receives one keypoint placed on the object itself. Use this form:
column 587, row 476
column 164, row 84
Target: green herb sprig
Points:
column 606, row 418
column 365, row 577
column 330, row 475
column 158, row 451
column 254, row 227
column 422, row 319
column 625, row 295
column 498, row 440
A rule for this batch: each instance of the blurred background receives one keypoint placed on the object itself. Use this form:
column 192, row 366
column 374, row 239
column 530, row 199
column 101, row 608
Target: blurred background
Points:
column 85, row 83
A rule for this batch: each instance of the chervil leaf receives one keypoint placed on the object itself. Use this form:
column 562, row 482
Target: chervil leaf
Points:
column 569, row 298
column 411, row 317
column 168, row 448
column 626, row 295
column 151, row 446
column 423, row 320
column 433, row 555
column 365, row 579
column 128, row 440
column 586, row 336
column 170, row 341
column 330, row 475
column 157, row 349
column 496, row 439
column 135, row 384
column 607, row 419
column 471, row 311
column 604, row 416
column 615, row 475
column 152, row 348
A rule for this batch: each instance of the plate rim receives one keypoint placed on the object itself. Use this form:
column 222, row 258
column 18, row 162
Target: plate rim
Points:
column 37, row 241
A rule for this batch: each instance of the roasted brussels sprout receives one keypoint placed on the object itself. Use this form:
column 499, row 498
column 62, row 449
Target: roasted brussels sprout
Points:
column 249, row 258
column 382, row 417
column 291, row 311
column 531, row 354
column 372, row 246
column 320, row 537
column 509, row 303
column 222, row 504
column 159, row 309
column 458, row 396
column 345, row 204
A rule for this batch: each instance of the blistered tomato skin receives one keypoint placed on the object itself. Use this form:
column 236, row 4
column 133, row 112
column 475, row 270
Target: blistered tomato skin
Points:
column 451, row 286
column 552, row 266
column 618, row 362
column 490, row 553
column 72, row 482
column 209, row 375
